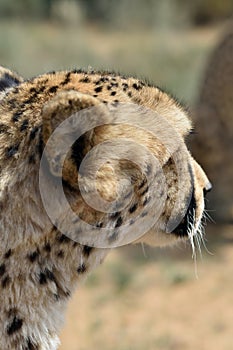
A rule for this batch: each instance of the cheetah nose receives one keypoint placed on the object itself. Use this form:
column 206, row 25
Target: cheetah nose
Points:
column 207, row 188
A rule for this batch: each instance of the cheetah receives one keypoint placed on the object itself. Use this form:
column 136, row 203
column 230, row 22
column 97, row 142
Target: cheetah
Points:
column 214, row 125
column 45, row 255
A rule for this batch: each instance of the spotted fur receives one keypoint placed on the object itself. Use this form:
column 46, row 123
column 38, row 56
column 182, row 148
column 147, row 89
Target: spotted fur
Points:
column 40, row 267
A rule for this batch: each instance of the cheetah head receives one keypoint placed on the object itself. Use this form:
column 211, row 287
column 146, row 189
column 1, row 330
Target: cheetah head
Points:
column 126, row 173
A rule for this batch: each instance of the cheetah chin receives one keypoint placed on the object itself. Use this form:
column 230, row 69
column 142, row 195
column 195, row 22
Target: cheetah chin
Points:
column 88, row 161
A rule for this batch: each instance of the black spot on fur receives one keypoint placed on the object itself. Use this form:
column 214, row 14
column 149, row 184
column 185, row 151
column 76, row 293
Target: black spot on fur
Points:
column 137, row 87
column 145, row 191
column 60, row 254
column 14, row 326
column 13, row 103
column 130, row 94
column 8, row 254
column 114, row 215
column 119, row 222
column 6, row 281
column 82, row 268
column 8, row 81
column 2, row 269
column 42, row 278
column 31, row 159
column 41, row 89
column 67, row 79
column 12, row 312
column 29, row 100
column 133, row 208
column 53, row 89
column 33, row 256
column 87, row 250
column 33, row 133
column 50, row 275
column 113, row 93
column 12, row 150
column 146, row 201
column 30, row 345
column 33, row 90
column 142, row 184
column 62, row 238
column 16, row 116
column 24, row 125
column 98, row 89
column 3, row 128
column 47, row 247
column 125, row 86
column 40, row 145
column 85, row 80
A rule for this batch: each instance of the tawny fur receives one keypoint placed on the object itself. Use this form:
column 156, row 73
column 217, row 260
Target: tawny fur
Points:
column 39, row 266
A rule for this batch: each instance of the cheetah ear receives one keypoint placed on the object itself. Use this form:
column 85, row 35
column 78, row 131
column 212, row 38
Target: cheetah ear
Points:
column 8, row 79
column 62, row 161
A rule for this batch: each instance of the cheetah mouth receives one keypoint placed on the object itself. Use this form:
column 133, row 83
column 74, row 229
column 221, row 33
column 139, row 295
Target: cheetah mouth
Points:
column 188, row 220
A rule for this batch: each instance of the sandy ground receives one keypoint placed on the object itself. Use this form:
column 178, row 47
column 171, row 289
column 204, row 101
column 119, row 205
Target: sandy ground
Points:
column 156, row 302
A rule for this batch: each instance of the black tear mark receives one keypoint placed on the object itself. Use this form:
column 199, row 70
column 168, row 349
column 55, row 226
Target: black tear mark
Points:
column 15, row 325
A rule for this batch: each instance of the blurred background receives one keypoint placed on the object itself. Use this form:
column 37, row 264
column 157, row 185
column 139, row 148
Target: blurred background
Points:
column 140, row 299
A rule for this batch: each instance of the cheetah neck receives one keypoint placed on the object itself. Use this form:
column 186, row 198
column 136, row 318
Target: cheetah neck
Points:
column 39, row 267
